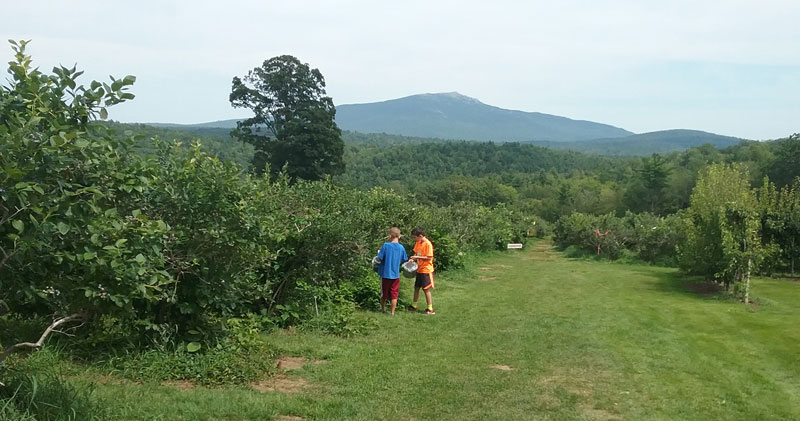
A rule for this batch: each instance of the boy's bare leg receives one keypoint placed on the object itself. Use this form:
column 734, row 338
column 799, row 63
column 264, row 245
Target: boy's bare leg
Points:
column 394, row 304
column 428, row 298
column 383, row 304
column 416, row 295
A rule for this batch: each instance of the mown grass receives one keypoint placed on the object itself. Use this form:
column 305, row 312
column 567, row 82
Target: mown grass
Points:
column 529, row 335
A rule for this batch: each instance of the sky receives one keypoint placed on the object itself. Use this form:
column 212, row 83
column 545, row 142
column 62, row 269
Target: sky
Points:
column 723, row 66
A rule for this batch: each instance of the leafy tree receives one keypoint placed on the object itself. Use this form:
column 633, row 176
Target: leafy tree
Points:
column 293, row 125
column 780, row 216
column 790, row 208
column 787, row 163
column 723, row 228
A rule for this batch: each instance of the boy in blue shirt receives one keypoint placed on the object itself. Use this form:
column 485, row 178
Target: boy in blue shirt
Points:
column 391, row 254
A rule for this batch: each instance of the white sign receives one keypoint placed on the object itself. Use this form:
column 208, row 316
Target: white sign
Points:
column 515, row 246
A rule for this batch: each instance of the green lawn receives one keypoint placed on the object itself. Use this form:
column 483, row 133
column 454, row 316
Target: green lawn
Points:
column 531, row 335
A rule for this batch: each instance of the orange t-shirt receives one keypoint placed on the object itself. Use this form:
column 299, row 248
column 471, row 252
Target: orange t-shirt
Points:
column 424, row 248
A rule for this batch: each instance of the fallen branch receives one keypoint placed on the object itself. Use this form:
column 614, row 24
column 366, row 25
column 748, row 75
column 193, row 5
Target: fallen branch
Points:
column 38, row 344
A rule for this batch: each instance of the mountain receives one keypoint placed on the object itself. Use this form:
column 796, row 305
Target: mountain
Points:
column 455, row 116
column 664, row 141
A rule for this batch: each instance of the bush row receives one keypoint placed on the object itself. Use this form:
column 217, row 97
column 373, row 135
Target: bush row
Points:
column 196, row 242
column 641, row 236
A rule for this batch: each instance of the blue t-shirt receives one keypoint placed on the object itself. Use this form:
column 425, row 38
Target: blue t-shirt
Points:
column 391, row 255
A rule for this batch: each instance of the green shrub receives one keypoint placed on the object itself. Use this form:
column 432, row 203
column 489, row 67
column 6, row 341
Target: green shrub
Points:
column 364, row 291
column 575, row 252
column 339, row 319
column 226, row 363
column 632, row 237
column 447, row 254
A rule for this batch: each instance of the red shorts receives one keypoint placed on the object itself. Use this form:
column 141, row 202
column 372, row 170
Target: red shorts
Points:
column 390, row 287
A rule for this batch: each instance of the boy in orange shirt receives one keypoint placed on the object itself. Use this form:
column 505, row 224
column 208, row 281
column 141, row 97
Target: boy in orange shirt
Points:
column 423, row 255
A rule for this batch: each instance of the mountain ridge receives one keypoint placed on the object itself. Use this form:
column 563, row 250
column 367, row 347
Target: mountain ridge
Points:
column 452, row 115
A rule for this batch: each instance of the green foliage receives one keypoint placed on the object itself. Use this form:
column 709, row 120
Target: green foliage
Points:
column 647, row 190
column 288, row 99
column 780, row 221
column 482, row 227
column 36, row 390
column 220, row 243
column 216, row 142
column 340, row 319
column 723, row 223
column 787, row 164
column 226, row 363
column 377, row 164
column 448, row 254
column 69, row 199
column 634, row 236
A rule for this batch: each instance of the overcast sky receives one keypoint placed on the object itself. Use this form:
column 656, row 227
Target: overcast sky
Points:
column 724, row 66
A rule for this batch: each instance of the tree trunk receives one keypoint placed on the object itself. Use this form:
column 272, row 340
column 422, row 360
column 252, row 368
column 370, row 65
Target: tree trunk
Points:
column 747, row 281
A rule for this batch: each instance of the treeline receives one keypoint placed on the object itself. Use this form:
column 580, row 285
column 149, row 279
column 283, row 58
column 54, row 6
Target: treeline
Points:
column 546, row 182
column 553, row 183
column 377, row 164
column 215, row 142
column 729, row 232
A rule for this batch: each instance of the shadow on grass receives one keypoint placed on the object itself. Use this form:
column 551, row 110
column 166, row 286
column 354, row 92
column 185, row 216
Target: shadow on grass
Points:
column 692, row 286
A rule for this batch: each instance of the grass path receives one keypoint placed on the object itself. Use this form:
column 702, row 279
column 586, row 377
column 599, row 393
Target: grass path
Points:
column 531, row 335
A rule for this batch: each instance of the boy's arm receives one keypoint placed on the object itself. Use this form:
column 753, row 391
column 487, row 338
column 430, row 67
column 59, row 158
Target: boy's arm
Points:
column 382, row 253
column 420, row 257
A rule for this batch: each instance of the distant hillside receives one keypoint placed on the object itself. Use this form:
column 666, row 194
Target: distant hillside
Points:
column 455, row 116
column 661, row 142
column 219, row 124
column 450, row 116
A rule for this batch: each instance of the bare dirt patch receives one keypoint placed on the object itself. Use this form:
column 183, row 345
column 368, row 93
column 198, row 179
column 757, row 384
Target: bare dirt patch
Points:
column 484, row 268
column 288, row 418
column 487, row 278
column 500, row 266
column 706, row 288
column 281, row 384
column 575, row 381
column 581, row 383
column 287, row 362
column 502, row 367
column 180, row 384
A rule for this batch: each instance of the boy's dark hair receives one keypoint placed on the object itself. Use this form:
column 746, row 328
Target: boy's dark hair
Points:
column 418, row 231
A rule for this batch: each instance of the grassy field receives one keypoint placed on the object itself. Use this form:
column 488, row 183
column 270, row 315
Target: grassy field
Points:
column 527, row 335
